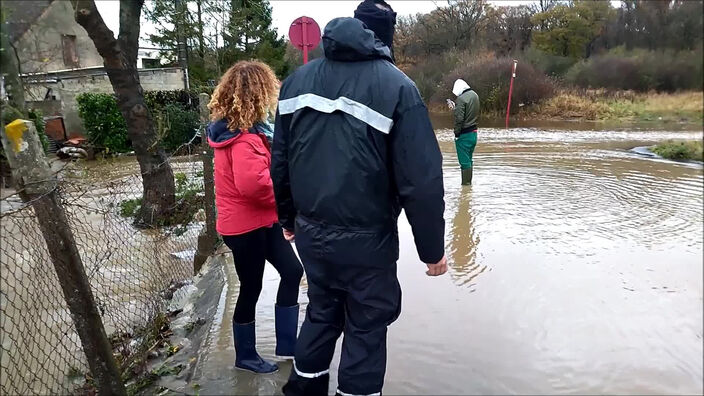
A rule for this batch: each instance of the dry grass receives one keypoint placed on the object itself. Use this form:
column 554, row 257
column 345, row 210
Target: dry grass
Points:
column 626, row 106
column 683, row 102
column 568, row 105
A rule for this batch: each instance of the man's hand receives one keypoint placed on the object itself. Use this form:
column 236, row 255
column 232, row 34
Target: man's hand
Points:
column 289, row 235
column 450, row 104
column 438, row 268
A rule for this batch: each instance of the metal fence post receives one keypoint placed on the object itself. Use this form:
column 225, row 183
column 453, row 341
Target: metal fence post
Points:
column 37, row 186
column 207, row 238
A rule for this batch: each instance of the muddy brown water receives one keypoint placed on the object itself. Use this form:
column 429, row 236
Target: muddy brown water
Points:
column 575, row 267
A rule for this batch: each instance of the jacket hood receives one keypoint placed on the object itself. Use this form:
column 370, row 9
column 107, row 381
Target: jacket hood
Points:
column 349, row 40
column 460, row 86
column 219, row 135
column 379, row 18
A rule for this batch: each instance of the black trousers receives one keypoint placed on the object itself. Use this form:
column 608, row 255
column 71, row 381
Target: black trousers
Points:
column 352, row 290
column 250, row 251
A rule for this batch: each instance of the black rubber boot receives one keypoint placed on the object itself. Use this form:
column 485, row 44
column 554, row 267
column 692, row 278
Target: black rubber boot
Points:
column 246, row 356
column 467, row 176
column 286, row 328
column 299, row 386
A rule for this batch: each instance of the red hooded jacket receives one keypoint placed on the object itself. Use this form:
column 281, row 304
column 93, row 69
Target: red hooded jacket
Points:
column 244, row 193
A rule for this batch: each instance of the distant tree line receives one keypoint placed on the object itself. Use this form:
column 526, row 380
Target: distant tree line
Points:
column 641, row 45
column 577, row 29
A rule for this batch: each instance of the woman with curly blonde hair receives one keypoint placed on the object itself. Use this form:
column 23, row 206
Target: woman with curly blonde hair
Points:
column 244, row 196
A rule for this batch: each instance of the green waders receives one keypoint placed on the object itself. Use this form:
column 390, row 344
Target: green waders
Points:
column 465, row 144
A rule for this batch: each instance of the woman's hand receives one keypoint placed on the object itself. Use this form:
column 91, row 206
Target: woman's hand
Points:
column 289, row 235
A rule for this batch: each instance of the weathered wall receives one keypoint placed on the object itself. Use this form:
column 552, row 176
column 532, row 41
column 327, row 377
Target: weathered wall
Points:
column 40, row 48
column 47, row 107
column 66, row 86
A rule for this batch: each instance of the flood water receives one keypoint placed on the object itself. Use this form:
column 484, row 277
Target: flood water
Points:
column 575, row 267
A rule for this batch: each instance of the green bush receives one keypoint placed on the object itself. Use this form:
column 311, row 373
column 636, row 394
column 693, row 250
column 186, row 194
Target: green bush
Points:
column 175, row 116
column 130, row 207
column 36, row 116
column 640, row 70
column 103, row 121
column 157, row 100
column 189, row 200
column 175, row 125
column 551, row 65
column 680, row 150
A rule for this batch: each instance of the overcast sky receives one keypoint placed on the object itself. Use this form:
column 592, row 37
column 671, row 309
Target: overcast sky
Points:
column 285, row 11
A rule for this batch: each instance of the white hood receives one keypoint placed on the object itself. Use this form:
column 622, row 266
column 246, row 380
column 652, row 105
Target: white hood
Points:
column 460, row 86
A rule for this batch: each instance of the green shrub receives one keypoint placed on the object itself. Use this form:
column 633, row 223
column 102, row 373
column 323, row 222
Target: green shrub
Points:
column 157, row 100
column 551, row 65
column 175, row 116
column 130, row 207
column 188, row 201
column 680, row 150
column 640, row 70
column 103, row 121
column 175, row 125
column 36, row 116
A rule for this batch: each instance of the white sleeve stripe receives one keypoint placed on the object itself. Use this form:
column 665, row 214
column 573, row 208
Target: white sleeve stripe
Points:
column 309, row 375
column 357, row 110
column 349, row 394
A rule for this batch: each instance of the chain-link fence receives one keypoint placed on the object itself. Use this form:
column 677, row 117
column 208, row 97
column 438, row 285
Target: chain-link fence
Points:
column 133, row 272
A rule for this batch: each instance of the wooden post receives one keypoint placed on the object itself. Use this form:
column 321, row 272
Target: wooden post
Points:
column 208, row 237
column 37, row 185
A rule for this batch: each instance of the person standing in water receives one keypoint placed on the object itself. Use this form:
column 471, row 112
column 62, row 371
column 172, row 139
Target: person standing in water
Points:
column 247, row 219
column 466, row 118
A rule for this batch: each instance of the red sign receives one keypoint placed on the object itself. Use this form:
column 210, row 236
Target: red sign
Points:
column 304, row 34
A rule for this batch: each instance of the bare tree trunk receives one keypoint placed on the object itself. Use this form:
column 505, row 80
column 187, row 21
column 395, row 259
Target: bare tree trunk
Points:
column 120, row 60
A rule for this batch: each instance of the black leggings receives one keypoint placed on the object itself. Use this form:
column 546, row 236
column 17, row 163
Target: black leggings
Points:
column 250, row 250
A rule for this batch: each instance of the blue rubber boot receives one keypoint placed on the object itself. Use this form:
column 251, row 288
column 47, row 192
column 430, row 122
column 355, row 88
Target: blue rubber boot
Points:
column 286, row 329
column 246, row 356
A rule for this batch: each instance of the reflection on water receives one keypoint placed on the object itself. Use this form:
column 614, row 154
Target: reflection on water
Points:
column 462, row 247
column 576, row 267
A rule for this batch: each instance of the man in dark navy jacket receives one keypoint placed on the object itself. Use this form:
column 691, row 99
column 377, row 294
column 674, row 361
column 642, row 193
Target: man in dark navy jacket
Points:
column 353, row 145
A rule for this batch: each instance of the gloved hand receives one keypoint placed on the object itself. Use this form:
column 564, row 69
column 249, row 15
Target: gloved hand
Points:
column 450, row 104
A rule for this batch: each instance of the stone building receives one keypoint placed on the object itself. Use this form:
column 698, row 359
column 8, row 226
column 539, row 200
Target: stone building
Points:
column 58, row 60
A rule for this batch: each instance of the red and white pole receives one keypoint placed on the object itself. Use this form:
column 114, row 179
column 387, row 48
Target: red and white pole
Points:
column 304, row 22
column 510, row 91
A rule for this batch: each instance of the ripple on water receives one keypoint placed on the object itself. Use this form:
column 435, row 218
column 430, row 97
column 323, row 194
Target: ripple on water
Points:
column 568, row 193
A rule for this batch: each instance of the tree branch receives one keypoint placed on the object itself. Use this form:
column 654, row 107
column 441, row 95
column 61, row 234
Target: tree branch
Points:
column 87, row 15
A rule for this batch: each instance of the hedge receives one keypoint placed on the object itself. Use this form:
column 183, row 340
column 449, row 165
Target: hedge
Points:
column 640, row 70
column 175, row 115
